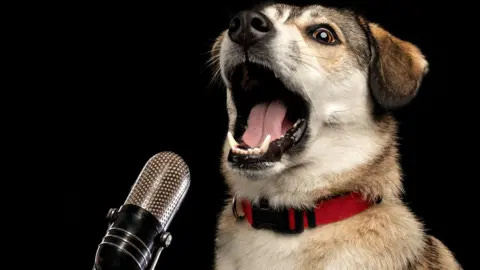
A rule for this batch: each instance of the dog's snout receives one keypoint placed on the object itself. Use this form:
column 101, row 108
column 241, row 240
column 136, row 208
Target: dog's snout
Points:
column 248, row 27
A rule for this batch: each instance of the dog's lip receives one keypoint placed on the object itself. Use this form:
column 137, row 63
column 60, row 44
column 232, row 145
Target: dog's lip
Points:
column 275, row 150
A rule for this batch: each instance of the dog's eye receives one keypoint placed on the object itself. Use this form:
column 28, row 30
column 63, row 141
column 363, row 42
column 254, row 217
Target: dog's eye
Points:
column 324, row 35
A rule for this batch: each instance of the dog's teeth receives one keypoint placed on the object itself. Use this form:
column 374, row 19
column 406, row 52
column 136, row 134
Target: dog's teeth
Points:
column 265, row 144
column 257, row 151
column 276, row 76
column 231, row 141
column 296, row 123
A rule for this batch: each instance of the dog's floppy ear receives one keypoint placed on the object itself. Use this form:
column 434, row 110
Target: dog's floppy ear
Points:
column 397, row 68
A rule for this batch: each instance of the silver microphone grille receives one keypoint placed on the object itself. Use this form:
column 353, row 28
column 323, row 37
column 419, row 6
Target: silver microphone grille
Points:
column 161, row 186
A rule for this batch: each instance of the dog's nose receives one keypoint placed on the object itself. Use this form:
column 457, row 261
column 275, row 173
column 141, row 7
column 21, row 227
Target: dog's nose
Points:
column 248, row 27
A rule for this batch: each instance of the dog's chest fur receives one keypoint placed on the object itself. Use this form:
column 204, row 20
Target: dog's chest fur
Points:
column 251, row 249
column 359, row 243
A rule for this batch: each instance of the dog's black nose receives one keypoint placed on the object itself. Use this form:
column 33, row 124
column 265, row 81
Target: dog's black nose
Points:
column 248, row 27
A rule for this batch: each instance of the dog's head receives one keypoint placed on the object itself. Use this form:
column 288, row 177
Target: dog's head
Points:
column 305, row 85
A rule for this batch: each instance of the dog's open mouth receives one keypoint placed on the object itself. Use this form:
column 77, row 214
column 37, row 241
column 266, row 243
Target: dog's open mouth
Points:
column 271, row 119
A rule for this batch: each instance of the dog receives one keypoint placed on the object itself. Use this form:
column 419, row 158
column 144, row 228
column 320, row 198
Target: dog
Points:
column 311, row 155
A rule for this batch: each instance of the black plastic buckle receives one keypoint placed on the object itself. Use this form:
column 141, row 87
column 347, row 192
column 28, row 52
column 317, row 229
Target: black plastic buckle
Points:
column 276, row 220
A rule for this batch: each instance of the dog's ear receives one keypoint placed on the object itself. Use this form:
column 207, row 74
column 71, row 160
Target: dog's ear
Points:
column 397, row 68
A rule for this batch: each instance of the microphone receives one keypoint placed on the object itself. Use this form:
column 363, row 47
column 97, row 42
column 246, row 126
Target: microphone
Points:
column 137, row 232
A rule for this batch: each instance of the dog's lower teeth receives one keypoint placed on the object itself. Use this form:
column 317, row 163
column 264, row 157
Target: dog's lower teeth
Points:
column 296, row 123
column 251, row 151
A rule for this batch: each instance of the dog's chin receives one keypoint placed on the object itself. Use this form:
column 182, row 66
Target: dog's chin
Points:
column 270, row 125
column 256, row 174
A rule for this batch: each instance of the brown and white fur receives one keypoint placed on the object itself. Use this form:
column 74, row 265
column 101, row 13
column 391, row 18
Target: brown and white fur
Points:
column 350, row 147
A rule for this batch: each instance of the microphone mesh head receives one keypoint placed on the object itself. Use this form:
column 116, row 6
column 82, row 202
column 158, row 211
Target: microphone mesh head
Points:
column 161, row 186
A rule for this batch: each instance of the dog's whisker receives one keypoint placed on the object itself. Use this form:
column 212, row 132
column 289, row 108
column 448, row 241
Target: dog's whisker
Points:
column 216, row 78
column 212, row 63
column 214, row 58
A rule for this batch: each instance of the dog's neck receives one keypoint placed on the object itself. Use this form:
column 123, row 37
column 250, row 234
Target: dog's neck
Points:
column 295, row 220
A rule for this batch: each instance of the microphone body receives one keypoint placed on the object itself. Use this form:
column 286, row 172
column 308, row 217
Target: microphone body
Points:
column 137, row 232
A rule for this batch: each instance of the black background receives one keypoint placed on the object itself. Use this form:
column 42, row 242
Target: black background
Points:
column 143, row 87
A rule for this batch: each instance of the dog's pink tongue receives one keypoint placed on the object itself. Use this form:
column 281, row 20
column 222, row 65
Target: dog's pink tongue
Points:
column 264, row 119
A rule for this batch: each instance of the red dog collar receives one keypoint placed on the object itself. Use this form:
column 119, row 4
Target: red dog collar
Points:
column 295, row 220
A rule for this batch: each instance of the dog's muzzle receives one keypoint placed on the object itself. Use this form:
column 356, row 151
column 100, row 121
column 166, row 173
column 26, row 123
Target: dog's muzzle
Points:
column 271, row 118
